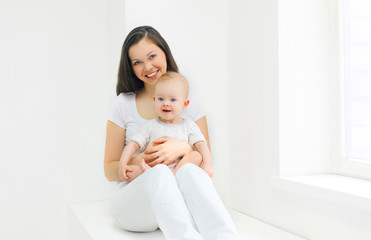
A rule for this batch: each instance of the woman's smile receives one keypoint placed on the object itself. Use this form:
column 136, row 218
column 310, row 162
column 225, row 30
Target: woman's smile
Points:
column 152, row 74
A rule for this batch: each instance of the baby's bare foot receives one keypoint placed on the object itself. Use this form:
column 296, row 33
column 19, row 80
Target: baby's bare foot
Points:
column 144, row 166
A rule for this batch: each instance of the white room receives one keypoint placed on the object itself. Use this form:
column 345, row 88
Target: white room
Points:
column 267, row 72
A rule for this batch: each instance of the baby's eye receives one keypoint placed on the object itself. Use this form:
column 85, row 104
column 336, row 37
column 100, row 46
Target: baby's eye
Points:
column 173, row 99
column 160, row 99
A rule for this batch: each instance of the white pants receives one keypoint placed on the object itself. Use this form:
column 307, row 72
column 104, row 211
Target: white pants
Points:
column 186, row 206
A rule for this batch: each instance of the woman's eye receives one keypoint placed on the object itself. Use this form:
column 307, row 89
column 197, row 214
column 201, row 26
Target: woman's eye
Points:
column 152, row 56
column 136, row 62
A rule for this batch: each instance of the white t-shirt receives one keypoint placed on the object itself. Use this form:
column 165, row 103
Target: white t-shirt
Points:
column 124, row 113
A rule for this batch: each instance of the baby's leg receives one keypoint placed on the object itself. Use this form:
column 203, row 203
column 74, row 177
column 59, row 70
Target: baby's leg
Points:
column 133, row 175
column 192, row 157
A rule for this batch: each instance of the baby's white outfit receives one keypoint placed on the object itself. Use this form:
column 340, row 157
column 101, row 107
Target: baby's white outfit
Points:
column 186, row 131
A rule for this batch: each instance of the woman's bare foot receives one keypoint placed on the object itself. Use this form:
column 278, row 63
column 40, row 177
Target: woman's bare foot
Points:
column 144, row 166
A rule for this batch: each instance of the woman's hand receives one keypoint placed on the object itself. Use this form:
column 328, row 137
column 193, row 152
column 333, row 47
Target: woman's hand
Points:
column 165, row 151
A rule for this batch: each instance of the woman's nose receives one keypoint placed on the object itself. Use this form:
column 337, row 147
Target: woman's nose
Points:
column 147, row 66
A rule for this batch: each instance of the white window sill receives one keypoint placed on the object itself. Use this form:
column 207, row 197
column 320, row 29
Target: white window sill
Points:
column 352, row 192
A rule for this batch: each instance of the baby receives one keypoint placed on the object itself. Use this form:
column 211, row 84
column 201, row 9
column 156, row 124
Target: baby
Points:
column 171, row 93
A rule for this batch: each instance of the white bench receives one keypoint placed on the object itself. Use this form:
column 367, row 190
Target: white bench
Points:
column 93, row 221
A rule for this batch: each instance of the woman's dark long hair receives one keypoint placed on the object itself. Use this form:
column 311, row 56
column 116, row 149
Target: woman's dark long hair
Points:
column 127, row 80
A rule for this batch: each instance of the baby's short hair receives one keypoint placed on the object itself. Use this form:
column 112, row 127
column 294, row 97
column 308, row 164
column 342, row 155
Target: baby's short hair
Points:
column 174, row 76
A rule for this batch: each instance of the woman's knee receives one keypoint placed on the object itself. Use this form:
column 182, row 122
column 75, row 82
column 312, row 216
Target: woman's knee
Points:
column 131, row 209
column 191, row 175
column 132, row 226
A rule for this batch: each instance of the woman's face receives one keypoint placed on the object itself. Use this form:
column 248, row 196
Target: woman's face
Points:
column 148, row 61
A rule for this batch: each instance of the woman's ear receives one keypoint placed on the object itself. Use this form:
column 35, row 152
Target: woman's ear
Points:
column 186, row 103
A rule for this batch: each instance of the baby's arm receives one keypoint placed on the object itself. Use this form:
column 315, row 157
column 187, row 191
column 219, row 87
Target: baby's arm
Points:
column 203, row 149
column 126, row 155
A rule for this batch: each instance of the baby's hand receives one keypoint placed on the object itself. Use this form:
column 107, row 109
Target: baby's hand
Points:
column 208, row 170
column 123, row 169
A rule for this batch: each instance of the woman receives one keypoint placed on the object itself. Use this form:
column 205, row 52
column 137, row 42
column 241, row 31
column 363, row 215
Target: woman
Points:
column 185, row 206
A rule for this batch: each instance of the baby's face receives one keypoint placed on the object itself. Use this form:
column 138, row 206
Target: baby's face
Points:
column 170, row 100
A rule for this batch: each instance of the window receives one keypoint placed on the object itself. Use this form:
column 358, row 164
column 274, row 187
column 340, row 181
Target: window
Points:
column 355, row 72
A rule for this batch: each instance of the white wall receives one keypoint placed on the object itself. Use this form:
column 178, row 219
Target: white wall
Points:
column 253, row 97
column 54, row 89
column 196, row 32
column 307, row 83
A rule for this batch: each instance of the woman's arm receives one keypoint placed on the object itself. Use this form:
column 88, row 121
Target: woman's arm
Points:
column 202, row 124
column 115, row 140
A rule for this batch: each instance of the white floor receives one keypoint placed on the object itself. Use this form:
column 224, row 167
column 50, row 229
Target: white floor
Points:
column 93, row 221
